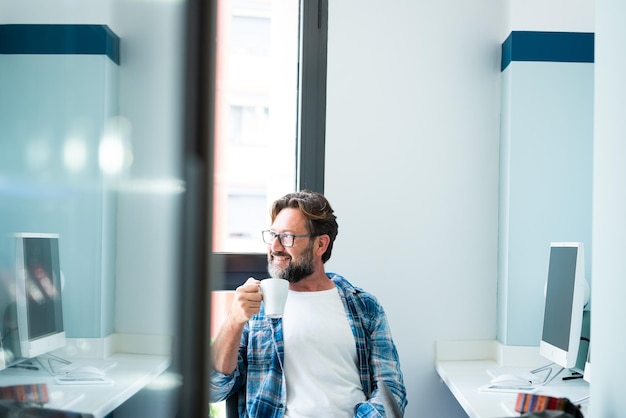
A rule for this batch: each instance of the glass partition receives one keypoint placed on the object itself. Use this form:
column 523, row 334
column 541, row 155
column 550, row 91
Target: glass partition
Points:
column 57, row 102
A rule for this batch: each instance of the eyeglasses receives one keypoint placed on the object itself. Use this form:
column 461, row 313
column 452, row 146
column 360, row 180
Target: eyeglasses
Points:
column 286, row 240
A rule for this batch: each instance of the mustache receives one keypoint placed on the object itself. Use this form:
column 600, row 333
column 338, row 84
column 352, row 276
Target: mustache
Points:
column 280, row 254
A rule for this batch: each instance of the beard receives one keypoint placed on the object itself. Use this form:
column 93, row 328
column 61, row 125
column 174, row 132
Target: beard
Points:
column 297, row 269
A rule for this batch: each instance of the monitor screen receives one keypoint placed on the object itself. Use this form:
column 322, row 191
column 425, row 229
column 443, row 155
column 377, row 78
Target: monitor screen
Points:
column 39, row 305
column 564, row 304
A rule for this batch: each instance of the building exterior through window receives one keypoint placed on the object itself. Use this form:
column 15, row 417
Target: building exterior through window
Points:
column 256, row 117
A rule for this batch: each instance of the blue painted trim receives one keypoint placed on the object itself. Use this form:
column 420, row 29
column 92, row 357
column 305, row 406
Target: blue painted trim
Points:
column 548, row 46
column 60, row 39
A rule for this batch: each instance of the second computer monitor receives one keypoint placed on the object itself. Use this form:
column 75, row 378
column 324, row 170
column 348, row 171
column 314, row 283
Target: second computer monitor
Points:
column 566, row 296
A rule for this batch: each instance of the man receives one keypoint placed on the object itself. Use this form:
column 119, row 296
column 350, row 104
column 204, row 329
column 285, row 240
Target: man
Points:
column 326, row 356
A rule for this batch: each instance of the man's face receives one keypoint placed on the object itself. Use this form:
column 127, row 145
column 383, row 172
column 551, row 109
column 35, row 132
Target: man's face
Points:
column 296, row 262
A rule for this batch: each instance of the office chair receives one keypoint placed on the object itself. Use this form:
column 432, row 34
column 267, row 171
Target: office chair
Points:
column 232, row 406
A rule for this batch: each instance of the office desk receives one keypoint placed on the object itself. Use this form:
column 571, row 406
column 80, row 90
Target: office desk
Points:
column 131, row 373
column 463, row 367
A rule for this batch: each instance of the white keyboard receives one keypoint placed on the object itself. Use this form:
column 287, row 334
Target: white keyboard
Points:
column 83, row 380
column 509, row 388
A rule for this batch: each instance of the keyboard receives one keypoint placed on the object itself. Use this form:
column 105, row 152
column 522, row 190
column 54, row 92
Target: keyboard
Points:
column 83, row 380
column 509, row 388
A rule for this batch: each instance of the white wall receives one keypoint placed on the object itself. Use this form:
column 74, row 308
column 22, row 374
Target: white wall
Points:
column 552, row 15
column 609, row 206
column 412, row 171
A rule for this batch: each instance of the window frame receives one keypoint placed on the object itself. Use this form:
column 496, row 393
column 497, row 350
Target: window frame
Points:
column 312, row 103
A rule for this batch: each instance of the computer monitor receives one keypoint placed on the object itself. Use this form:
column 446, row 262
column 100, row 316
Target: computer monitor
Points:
column 567, row 293
column 38, row 295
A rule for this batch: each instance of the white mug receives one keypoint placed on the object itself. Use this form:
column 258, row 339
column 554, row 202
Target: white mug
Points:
column 274, row 296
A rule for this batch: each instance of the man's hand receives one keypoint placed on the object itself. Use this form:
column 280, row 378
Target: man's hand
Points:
column 246, row 302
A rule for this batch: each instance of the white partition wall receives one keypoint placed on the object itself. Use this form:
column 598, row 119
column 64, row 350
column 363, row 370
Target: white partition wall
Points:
column 546, row 165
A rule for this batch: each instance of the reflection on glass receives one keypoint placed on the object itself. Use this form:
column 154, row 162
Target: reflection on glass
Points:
column 114, row 153
column 75, row 154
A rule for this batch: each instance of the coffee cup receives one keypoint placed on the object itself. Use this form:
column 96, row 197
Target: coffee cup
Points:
column 274, row 296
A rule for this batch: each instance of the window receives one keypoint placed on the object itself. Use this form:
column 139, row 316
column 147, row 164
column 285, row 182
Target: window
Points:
column 269, row 113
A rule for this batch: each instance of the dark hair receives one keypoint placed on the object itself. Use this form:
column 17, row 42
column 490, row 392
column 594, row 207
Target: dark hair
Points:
column 320, row 216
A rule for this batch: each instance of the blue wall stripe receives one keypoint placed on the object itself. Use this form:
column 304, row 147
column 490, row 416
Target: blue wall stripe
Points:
column 59, row 39
column 548, row 46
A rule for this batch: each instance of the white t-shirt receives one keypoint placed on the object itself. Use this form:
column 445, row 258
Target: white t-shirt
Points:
column 321, row 371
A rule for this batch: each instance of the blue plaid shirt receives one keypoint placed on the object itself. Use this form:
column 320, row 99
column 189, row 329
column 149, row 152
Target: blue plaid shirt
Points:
column 259, row 374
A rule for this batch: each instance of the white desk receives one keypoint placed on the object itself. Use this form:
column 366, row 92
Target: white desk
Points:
column 466, row 374
column 130, row 375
